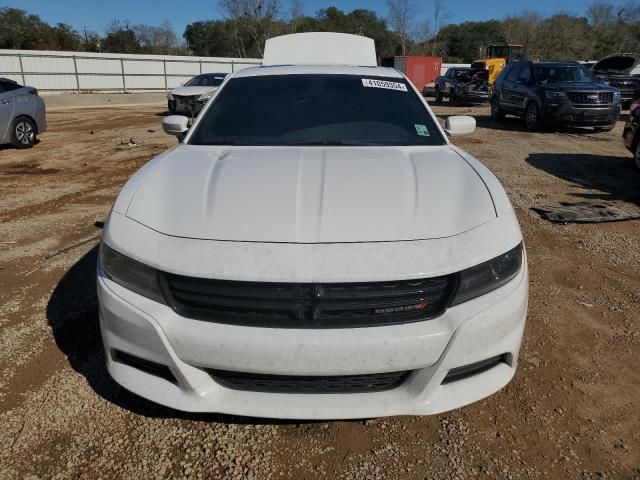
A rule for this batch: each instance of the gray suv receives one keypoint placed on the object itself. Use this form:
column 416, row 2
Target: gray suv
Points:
column 559, row 93
column 22, row 114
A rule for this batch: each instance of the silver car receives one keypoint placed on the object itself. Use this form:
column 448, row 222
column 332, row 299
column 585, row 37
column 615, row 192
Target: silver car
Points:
column 22, row 114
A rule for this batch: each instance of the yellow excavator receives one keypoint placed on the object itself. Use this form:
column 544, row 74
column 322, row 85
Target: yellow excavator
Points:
column 497, row 56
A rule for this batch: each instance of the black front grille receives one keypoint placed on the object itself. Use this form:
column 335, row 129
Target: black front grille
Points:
column 377, row 382
column 629, row 88
column 184, row 101
column 591, row 98
column 308, row 305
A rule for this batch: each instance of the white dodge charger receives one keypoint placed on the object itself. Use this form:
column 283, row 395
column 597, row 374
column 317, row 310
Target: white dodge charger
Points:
column 314, row 247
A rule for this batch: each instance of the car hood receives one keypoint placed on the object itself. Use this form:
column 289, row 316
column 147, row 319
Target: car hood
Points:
column 311, row 194
column 617, row 64
column 189, row 91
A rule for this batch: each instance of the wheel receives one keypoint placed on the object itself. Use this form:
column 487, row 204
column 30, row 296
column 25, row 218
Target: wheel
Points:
column 532, row 116
column 23, row 132
column 636, row 156
column 438, row 95
column 608, row 128
column 496, row 112
column 453, row 99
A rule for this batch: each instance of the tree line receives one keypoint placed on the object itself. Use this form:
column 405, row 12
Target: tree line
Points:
column 601, row 29
column 24, row 31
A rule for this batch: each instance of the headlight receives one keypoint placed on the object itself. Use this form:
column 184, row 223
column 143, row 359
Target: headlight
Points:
column 488, row 276
column 169, row 96
column 206, row 96
column 617, row 95
column 129, row 273
column 555, row 95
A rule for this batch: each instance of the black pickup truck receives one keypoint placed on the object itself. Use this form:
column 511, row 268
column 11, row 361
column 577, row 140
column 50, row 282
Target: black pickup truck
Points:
column 463, row 85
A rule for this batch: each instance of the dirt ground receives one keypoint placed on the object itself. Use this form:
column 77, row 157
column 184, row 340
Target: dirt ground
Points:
column 572, row 411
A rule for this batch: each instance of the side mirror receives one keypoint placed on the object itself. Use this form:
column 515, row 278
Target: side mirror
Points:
column 175, row 125
column 460, row 125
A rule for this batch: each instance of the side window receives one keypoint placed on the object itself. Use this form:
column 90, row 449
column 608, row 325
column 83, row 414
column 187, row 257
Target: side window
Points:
column 525, row 73
column 449, row 73
column 513, row 73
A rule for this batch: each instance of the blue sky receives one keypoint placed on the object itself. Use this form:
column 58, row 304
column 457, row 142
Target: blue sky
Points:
column 95, row 15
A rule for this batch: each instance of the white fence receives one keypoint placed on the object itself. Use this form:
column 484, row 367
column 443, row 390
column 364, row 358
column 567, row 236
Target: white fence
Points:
column 103, row 72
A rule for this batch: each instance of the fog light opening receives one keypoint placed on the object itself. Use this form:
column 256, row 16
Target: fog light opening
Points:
column 466, row 371
column 146, row 366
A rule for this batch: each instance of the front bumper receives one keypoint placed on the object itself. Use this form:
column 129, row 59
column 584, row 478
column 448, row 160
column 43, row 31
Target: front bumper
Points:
column 40, row 115
column 475, row 97
column 629, row 133
column 569, row 115
column 488, row 326
column 189, row 105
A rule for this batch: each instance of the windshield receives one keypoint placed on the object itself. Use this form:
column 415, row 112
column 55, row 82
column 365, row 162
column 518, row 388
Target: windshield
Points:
column 563, row 74
column 317, row 109
column 205, row 81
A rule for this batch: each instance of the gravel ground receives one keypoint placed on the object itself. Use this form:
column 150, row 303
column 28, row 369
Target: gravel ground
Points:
column 572, row 410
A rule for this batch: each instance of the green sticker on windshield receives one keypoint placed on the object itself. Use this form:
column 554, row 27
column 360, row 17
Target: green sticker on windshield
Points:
column 422, row 130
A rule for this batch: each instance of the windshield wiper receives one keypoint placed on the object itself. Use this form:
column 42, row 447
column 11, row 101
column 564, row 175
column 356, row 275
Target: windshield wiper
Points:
column 326, row 141
column 223, row 141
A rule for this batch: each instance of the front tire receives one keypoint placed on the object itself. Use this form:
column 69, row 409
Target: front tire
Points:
column 23, row 132
column 532, row 116
column 453, row 99
column 496, row 112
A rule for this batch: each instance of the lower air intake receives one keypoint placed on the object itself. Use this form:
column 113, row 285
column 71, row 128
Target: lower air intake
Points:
column 377, row 382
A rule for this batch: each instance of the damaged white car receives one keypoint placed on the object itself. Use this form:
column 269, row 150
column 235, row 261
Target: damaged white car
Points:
column 313, row 248
column 190, row 98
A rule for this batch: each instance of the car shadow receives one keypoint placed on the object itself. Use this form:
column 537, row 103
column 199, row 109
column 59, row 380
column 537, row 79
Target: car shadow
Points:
column 516, row 124
column 72, row 314
column 616, row 177
column 9, row 146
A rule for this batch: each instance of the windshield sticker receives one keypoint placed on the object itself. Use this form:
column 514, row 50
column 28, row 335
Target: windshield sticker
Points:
column 422, row 130
column 369, row 82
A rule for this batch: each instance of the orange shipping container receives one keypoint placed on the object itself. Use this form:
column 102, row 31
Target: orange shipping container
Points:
column 420, row 70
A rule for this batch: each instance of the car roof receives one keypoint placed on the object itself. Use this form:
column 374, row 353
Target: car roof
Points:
column 318, row 69
column 557, row 64
column 4, row 79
